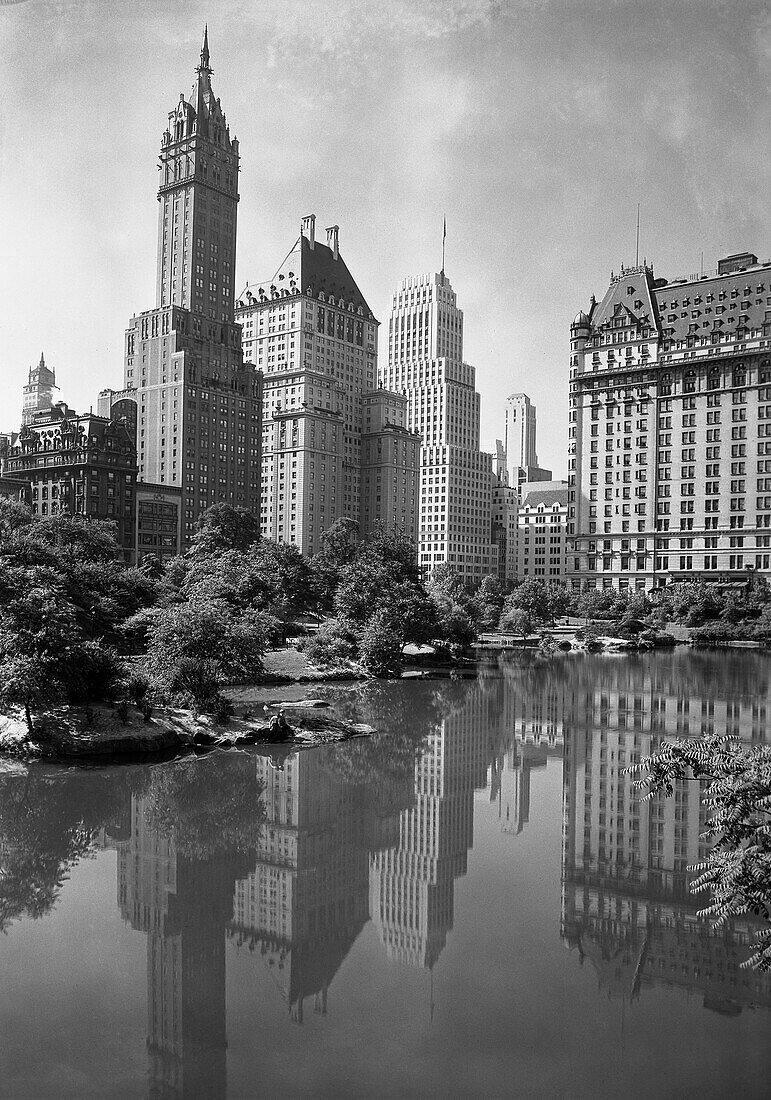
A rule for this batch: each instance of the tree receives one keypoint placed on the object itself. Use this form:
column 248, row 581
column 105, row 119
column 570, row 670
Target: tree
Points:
column 454, row 608
column 223, row 527
column 209, row 632
column 734, row 608
column 380, row 645
column 488, row 603
column 338, row 549
column 516, row 620
column 600, row 604
column 542, row 602
column 693, row 603
column 736, row 781
column 44, row 657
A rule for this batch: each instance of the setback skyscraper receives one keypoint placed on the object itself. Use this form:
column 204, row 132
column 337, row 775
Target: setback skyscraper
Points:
column 425, row 362
column 199, row 405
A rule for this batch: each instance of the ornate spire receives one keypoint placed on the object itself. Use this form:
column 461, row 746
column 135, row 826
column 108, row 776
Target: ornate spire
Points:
column 204, row 66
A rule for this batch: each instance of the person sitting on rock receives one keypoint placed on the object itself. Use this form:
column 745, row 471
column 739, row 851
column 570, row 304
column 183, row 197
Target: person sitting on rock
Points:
column 280, row 729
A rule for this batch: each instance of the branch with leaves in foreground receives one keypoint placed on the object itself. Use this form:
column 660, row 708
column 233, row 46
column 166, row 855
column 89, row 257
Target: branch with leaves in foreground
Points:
column 737, row 795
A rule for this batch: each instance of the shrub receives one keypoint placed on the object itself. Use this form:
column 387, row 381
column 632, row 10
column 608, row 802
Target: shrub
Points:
column 121, row 710
column 720, row 631
column 223, row 710
column 96, row 674
column 334, row 644
column 137, row 687
column 197, row 681
column 147, row 711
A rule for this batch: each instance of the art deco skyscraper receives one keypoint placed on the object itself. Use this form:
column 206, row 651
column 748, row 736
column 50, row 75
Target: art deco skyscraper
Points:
column 425, row 361
column 199, row 405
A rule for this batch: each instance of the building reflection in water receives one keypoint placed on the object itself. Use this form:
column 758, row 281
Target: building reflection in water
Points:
column 181, row 896
column 331, row 852
column 412, row 883
column 626, row 903
column 305, row 899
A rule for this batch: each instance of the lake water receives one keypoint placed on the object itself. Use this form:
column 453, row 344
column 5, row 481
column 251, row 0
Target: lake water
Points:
column 472, row 903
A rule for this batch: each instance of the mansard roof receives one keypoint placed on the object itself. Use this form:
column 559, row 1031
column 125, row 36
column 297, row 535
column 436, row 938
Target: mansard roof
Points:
column 629, row 299
column 721, row 303
column 695, row 306
column 547, row 497
column 314, row 272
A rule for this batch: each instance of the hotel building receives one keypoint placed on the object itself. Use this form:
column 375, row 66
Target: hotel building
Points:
column 425, row 362
column 669, row 461
column 334, row 445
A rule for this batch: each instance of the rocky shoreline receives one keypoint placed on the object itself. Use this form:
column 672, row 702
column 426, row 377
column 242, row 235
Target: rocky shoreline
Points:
column 66, row 734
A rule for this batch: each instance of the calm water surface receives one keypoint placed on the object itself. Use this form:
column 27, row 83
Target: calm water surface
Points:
column 473, row 903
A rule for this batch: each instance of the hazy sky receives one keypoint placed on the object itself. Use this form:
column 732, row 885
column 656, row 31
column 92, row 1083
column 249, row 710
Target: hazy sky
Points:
column 535, row 125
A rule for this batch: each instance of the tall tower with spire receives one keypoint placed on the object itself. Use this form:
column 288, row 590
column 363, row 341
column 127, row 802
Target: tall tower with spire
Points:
column 198, row 199
column 199, row 406
column 39, row 391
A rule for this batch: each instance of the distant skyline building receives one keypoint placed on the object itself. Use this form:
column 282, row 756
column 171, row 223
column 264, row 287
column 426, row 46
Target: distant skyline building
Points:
column 334, row 445
column 39, row 392
column 425, row 362
column 199, row 406
column 521, row 441
column 504, row 518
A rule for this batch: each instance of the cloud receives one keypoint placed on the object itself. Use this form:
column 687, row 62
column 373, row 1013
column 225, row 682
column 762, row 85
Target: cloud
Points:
column 353, row 31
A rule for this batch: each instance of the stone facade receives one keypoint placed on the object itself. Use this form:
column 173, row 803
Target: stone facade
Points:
column 330, row 436
column 670, row 410
column 85, row 465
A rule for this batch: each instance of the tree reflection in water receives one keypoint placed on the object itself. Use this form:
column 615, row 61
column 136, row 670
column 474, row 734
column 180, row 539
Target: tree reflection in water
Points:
column 282, row 861
column 49, row 820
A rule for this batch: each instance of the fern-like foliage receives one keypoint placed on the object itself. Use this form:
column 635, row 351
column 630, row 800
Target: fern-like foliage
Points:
column 736, row 780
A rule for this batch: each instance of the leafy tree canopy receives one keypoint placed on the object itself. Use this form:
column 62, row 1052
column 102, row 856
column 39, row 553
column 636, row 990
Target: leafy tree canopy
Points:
column 737, row 795
column 223, row 527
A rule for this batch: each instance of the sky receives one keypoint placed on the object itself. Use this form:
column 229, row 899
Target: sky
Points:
column 534, row 126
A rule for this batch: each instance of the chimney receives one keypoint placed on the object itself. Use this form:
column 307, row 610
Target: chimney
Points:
column 332, row 241
column 309, row 223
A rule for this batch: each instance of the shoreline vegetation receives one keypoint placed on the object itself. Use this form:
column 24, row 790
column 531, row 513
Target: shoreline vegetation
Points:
column 100, row 661
column 94, row 652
